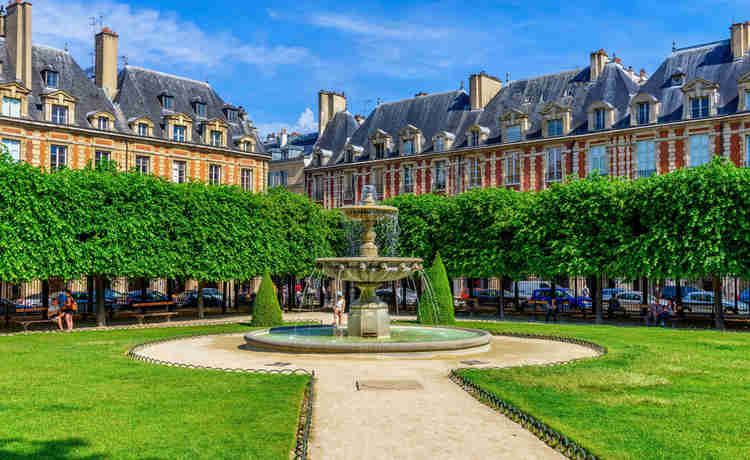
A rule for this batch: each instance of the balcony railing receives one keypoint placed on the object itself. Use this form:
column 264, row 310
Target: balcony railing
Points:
column 646, row 172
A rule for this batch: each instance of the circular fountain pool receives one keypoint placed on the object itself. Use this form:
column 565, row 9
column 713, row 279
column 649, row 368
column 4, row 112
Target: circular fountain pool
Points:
column 327, row 339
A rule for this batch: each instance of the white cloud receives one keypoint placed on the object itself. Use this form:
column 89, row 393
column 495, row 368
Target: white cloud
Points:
column 381, row 30
column 149, row 36
column 306, row 123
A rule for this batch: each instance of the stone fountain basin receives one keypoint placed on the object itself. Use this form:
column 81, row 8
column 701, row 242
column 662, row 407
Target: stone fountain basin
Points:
column 324, row 339
column 369, row 269
column 368, row 212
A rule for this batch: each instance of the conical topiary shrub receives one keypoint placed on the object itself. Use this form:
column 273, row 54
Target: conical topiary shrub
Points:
column 266, row 309
column 436, row 306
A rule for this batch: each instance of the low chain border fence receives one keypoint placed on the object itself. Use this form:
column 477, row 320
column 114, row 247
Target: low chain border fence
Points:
column 304, row 423
column 541, row 430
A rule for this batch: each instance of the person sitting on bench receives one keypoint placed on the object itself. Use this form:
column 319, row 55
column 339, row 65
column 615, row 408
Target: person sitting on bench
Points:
column 666, row 313
column 65, row 302
column 54, row 313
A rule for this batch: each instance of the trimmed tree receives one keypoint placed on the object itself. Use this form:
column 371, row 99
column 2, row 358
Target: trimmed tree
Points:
column 266, row 309
column 436, row 305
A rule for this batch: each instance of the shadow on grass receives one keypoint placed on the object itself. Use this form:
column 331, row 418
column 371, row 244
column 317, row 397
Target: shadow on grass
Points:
column 64, row 449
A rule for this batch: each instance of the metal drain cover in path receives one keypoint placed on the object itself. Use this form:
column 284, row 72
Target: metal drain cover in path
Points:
column 388, row 385
column 474, row 362
column 278, row 364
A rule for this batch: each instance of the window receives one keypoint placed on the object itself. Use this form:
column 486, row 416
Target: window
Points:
column 598, row 160
column 214, row 174
column 747, row 100
column 231, row 115
column 103, row 122
column 408, row 179
column 318, row 188
column 101, row 156
column 475, row 138
column 13, row 148
column 179, row 133
column 554, row 165
column 599, row 119
column 248, row 146
column 282, row 178
column 440, row 175
column 142, row 129
column 59, row 114
column 747, row 151
column 646, row 153
column 200, row 109
column 475, row 173
column 554, row 128
column 178, row 171
column 513, row 133
column 167, row 102
column 246, row 179
column 216, row 138
column 511, row 166
column 11, row 107
column 643, row 113
column 142, row 164
column 699, row 153
column 699, row 107
column 408, row 147
column 379, row 151
column 439, row 144
column 50, row 78
column 58, row 157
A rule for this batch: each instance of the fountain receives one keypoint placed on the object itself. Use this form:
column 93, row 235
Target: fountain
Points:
column 369, row 325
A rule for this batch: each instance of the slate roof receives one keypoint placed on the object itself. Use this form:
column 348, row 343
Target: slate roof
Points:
column 712, row 62
column 140, row 89
column 304, row 142
column 337, row 133
column 71, row 79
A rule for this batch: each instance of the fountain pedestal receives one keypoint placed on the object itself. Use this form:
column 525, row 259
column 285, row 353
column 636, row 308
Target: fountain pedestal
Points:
column 368, row 316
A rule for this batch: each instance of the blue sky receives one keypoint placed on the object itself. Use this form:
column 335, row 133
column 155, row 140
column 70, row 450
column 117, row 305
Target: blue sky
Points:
column 273, row 57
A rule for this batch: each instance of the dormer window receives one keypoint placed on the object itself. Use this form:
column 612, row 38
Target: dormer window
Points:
column 408, row 147
column 442, row 141
column 477, row 135
column 554, row 128
column 11, row 107
column 231, row 114
column 200, row 109
column 103, row 123
column 50, row 78
column 348, row 157
column 142, row 129
column 379, row 151
column 475, row 138
column 699, row 107
column 514, row 126
column 216, row 138
column 179, row 133
column 643, row 113
column 678, row 78
column 59, row 114
column 513, row 133
column 167, row 102
column 439, row 144
column 599, row 119
column 747, row 100
column 248, row 146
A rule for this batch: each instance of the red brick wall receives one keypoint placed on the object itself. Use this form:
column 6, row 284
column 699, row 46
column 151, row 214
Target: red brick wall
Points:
column 679, row 154
column 428, row 177
column 526, row 173
column 418, row 185
column 538, row 171
column 397, row 179
column 499, row 172
column 735, row 148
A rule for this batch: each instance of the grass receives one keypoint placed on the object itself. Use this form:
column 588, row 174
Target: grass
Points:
column 657, row 394
column 76, row 396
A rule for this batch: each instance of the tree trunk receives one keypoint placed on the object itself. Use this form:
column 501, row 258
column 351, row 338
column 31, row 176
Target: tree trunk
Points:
column 101, row 312
column 501, row 297
column 235, row 299
column 224, row 298
column 201, row 313
column 90, row 279
column 718, row 305
column 598, row 284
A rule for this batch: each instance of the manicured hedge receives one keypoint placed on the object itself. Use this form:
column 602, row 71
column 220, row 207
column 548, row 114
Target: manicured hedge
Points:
column 436, row 304
column 266, row 309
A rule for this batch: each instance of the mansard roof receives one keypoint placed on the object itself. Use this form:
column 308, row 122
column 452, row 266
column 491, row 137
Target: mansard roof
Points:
column 712, row 62
column 71, row 79
column 337, row 133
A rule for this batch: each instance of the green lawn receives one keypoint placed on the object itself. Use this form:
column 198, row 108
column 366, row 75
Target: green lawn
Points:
column 658, row 393
column 76, row 396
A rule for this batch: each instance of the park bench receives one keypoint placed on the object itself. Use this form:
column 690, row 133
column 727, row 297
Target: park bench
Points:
column 159, row 314
column 26, row 323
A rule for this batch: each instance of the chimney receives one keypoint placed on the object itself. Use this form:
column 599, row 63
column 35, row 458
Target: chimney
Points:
column 18, row 39
column 283, row 138
column 359, row 118
column 106, row 62
column 740, row 35
column 598, row 60
column 482, row 88
column 329, row 104
column 420, row 94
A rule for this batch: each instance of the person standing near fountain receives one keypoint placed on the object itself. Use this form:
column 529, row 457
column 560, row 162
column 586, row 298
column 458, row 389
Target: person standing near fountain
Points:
column 338, row 308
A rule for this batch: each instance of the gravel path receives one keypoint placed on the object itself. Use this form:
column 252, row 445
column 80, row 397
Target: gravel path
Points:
column 406, row 407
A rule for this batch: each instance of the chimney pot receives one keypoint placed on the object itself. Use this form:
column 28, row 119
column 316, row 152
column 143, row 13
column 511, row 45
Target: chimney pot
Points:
column 105, row 71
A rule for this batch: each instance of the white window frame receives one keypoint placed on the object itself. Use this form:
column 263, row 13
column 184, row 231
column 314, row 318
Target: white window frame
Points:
column 704, row 110
column 598, row 160
column 11, row 107
column 217, row 138
column 143, row 129
column 646, row 158
column 247, row 179
column 14, row 148
column 407, row 182
column 700, row 151
column 179, row 171
column 51, row 79
column 475, row 173
column 439, row 144
column 409, row 147
column 100, row 155
column 554, row 164
column 441, row 177
column 475, row 138
column 56, row 152
column 179, row 132
column 557, row 124
column 56, row 112
column 643, row 117
column 143, row 164
column 214, row 174
column 102, row 123
column 600, row 119
column 511, row 169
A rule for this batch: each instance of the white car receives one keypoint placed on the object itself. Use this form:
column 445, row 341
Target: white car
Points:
column 629, row 302
column 703, row 302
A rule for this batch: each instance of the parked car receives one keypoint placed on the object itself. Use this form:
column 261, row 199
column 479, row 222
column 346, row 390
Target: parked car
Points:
column 608, row 293
column 628, row 302
column 211, row 298
column 386, row 295
column 111, row 297
column 703, row 302
column 563, row 296
column 151, row 300
column 670, row 292
column 526, row 288
column 7, row 307
column 744, row 296
column 492, row 296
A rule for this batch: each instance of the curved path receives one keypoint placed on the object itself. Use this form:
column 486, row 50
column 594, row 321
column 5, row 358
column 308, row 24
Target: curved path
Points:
column 406, row 407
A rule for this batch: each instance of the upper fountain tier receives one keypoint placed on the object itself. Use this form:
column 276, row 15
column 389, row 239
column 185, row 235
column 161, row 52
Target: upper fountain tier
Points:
column 369, row 268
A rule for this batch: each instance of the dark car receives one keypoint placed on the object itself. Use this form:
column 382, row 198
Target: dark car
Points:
column 7, row 307
column 111, row 298
column 608, row 293
column 745, row 296
column 211, row 298
column 151, row 300
column 492, row 296
column 670, row 292
column 565, row 299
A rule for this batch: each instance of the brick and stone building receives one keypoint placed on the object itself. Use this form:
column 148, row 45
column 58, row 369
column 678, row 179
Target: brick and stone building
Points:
column 525, row 134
